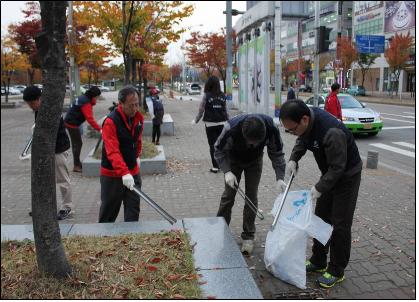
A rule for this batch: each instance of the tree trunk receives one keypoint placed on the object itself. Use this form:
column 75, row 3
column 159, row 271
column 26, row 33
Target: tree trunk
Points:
column 50, row 252
column 31, row 74
column 134, row 71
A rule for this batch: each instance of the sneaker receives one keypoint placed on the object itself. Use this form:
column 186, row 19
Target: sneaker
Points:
column 214, row 170
column 157, row 143
column 247, row 247
column 64, row 213
column 312, row 268
column 327, row 280
column 77, row 169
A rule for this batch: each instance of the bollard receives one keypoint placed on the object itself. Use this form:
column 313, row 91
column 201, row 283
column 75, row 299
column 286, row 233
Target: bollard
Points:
column 372, row 159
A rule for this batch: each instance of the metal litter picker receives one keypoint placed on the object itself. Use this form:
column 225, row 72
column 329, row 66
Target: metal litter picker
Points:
column 284, row 196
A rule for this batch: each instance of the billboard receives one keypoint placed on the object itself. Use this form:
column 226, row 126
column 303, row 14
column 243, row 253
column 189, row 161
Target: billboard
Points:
column 399, row 15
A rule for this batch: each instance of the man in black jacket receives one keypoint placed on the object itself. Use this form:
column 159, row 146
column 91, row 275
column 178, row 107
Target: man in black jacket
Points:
column 336, row 192
column 239, row 148
column 32, row 97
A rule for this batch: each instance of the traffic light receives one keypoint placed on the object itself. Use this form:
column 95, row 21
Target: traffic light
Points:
column 323, row 40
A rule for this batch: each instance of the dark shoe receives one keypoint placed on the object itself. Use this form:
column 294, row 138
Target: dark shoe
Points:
column 30, row 213
column 327, row 280
column 64, row 213
column 312, row 268
column 77, row 169
column 214, row 170
column 153, row 141
column 157, row 143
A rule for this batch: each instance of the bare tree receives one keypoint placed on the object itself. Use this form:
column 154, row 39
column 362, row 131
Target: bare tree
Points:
column 50, row 252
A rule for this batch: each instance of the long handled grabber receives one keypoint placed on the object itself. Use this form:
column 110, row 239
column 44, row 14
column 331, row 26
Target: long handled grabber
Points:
column 250, row 203
column 24, row 154
column 97, row 144
column 281, row 205
column 155, row 206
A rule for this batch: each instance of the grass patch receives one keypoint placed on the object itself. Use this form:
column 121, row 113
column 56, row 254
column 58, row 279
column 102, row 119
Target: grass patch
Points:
column 149, row 150
column 133, row 266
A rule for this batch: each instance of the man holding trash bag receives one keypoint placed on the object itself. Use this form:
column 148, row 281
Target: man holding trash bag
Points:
column 122, row 144
column 239, row 148
column 336, row 192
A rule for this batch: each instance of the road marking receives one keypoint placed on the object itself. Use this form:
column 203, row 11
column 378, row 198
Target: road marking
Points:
column 404, row 144
column 381, row 164
column 409, row 113
column 401, row 127
column 394, row 149
column 393, row 119
column 398, row 115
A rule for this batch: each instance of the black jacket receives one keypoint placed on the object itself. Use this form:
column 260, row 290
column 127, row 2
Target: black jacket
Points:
column 333, row 147
column 74, row 115
column 63, row 142
column 231, row 145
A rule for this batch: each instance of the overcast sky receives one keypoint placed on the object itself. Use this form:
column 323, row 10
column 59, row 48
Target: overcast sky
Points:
column 208, row 13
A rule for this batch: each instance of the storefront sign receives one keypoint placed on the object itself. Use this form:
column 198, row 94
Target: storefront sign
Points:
column 399, row 15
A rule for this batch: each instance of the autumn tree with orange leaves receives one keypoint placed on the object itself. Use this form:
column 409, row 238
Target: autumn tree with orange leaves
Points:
column 208, row 52
column 347, row 53
column 397, row 54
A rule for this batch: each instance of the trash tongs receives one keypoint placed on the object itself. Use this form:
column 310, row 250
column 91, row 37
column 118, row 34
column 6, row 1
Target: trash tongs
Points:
column 24, row 153
column 281, row 205
column 250, row 203
column 155, row 206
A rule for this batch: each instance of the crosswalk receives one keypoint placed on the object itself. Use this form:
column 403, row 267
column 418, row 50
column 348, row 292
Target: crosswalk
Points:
column 406, row 152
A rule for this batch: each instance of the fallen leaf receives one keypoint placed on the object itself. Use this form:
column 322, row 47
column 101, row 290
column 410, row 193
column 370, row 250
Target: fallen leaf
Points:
column 155, row 260
column 177, row 296
column 211, row 297
column 202, row 282
column 173, row 277
column 139, row 281
column 151, row 268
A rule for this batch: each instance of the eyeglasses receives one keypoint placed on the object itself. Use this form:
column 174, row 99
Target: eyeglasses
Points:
column 292, row 130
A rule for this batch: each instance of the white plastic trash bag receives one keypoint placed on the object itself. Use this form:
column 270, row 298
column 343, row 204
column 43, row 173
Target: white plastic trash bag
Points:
column 285, row 247
column 150, row 106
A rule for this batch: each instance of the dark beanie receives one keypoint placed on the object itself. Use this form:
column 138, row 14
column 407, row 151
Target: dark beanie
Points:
column 254, row 128
column 92, row 92
column 31, row 93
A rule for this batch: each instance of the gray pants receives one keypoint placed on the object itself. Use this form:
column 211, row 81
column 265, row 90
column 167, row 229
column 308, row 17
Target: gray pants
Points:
column 62, row 179
column 252, row 173
column 113, row 192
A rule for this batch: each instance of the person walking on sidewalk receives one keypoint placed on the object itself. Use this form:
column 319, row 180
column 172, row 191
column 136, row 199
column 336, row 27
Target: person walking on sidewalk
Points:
column 158, row 116
column 291, row 92
column 80, row 111
column 122, row 145
column 336, row 192
column 239, row 149
column 213, row 108
column 32, row 97
column 332, row 102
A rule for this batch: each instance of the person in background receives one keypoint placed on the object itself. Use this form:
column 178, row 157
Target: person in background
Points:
column 158, row 115
column 238, row 149
column 122, row 145
column 81, row 110
column 332, row 102
column 336, row 192
column 291, row 92
column 32, row 97
column 213, row 108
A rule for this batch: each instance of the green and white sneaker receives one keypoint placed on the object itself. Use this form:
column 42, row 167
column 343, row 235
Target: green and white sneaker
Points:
column 312, row 268
column 327, row 280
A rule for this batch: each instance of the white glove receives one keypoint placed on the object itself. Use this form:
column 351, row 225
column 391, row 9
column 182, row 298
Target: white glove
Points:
column 33, row 128
column 193, row 122
column 230, row 179
column 291, row 168
column 314, row 194
column 281, row 185
column 128, row 181
column 26, row 157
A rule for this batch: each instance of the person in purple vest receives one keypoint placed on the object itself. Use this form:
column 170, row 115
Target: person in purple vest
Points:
column 81, row 110
column 336, row 193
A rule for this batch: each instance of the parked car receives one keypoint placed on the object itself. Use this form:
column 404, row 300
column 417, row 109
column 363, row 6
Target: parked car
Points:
column 355, row 115
column 20, row 87
column 356, row 90
column 14, row 91
column 38, row 85
column 104, row 88
column 305, row 88
column 193, row 89
column 3, row 91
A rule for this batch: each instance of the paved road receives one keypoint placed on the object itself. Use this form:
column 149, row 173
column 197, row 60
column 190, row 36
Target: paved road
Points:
column 383, row 244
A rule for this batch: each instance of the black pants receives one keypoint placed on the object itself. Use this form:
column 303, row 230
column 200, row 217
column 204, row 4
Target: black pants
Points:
column 76, row 144
column 212, row 134
column 156, row 132
column 113, row 192
column 252, row 174
column 337, row 208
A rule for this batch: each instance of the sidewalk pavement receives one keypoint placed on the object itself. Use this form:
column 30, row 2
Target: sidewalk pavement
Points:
column 383, row 244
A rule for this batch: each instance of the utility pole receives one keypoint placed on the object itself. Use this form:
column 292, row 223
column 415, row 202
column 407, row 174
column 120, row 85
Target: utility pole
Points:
column 278, row 67
column 183, row 66
column 70, row 33
column 229, row 71
column 316, row 55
